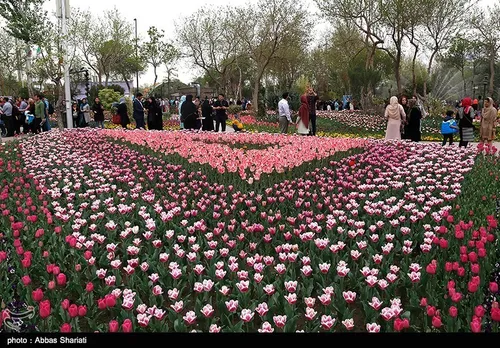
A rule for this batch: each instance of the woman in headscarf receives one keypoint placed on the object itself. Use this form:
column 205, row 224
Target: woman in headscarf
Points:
column 404, row 125
column 189, row 113
column 183, row 99
column 465, row 125
column 488, row 120
column 155, row 116
column 123, row 112
column 394, row 113
column 412, row 129
column 303, row 118
column 206, row 112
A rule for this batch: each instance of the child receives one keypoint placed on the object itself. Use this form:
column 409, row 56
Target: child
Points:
column 448, row 127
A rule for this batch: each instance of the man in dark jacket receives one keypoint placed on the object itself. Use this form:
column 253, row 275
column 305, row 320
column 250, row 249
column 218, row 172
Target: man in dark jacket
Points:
column 220, row 107
column 139, row 112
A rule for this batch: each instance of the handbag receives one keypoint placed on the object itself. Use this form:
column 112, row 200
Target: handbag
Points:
column 116, row 119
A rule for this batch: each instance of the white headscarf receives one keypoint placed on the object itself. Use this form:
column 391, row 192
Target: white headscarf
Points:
column 393, row 109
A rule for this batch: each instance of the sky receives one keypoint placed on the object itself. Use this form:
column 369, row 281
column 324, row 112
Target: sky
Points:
column 163, row 14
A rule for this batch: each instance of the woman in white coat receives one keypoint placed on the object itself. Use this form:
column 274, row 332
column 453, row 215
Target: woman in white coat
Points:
column 395, row 115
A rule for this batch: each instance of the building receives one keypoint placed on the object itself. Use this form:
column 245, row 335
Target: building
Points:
column 204, row 92
column 81, row 93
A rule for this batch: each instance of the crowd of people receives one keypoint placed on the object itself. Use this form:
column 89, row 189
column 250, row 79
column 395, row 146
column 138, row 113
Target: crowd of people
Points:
column 404, row 121
column 25, row 115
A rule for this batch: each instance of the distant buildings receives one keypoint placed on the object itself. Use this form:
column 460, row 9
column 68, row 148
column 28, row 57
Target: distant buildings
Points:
column 80, row 88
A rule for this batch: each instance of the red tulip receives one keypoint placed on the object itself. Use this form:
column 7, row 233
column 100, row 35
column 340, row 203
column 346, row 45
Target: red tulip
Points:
column 66, row 328
column 61, row 279
column 101, row 304
column 89, row 287
column 453, row 311
column 44, row 309
column 37, row 295
column 73, row 310
column 493, row 287
column 436, row 322
column 479, row 311
column 114, row 326
column 423, row 302
column 448, row 267
column 82, row 311
column 475, row 326
column 472, row 257
column 110, row 300
column 65, row 304
column 26, row 280
column 431, row 311
column 127, row 325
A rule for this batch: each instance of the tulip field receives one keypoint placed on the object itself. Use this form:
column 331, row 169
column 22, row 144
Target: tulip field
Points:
column 172, row 231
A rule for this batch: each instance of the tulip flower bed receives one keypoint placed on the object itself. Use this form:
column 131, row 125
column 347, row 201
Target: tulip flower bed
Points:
column 268, row 153
column 99, row 234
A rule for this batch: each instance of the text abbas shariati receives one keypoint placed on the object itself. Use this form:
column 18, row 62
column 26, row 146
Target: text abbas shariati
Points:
column 61, row 340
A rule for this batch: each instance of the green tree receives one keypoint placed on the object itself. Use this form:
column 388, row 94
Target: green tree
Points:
column 25, row 21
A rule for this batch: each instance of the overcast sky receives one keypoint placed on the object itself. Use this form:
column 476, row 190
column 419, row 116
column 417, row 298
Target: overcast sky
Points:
column 162, row 14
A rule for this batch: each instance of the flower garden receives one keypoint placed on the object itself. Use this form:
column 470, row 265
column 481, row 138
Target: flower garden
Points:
column 148, row 231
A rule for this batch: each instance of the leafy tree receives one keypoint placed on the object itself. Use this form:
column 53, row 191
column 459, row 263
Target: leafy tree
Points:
column 157, row 52
column 25, row 21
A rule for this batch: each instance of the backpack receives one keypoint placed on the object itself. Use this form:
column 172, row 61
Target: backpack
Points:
column 51, row 109
column 15, row 110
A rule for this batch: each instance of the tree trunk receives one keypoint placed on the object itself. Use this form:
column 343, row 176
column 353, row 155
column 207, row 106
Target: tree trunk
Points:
column 414, row 74
column 255, row 95
column 127, row 83
column 465, row 82
column 429, row 68
column 397, row 71
column 156, row 76
column 239, row 85
column 491, row 89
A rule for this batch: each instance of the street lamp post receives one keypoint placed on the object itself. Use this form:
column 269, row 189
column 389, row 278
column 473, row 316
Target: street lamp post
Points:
column 136, row 57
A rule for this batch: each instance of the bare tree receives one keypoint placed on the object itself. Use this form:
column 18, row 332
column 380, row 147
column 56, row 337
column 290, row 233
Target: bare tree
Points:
column 209, row 39
column 444, row 20
column 366, row 16
column 265, row 29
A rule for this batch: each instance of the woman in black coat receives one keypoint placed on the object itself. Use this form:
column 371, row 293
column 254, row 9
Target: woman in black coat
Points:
column 155, row 116
column 206, row 111
column 123, row 112
column 189, row 113
column 412, row 129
